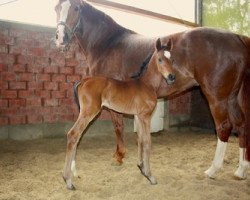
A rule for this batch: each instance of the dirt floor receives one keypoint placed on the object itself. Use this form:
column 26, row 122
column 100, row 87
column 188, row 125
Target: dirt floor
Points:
column 32, row 169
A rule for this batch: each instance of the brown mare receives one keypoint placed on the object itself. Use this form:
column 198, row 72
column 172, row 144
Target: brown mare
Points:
column 116, row 52
column 219, row 62
column 135, row 97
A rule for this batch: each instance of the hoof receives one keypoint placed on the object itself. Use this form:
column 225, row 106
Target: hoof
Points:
column 71, row 187
column 152, row 180
column 240, row 176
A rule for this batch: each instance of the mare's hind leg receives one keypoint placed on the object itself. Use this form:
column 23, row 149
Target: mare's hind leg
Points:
column 144, row 147
column 73, row 137
column 238, row 120
column 117, row 120
column 223, row 130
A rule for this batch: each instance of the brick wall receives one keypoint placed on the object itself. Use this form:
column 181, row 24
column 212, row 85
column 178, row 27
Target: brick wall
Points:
column 36, row 80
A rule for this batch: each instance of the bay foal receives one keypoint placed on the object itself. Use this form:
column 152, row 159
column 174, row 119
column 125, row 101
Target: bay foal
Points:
column 137, row 97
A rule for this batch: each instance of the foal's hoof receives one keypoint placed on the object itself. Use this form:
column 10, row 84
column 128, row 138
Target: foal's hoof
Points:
column 71, row 187
column 152, row 180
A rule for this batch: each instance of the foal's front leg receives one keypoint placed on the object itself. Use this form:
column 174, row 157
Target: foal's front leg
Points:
column 144, row 139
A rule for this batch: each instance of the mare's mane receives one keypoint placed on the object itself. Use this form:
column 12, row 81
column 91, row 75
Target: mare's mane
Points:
column 107, row 32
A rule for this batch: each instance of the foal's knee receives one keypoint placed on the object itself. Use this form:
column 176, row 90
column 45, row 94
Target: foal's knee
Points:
column 224, row 130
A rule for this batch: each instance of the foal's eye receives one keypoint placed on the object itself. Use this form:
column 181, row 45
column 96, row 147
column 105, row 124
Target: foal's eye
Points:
column 159, row 60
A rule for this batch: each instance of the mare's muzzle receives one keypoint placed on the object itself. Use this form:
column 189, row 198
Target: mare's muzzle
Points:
column 170, row 79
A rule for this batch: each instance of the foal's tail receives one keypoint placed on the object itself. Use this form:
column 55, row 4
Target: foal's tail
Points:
column 76, row 94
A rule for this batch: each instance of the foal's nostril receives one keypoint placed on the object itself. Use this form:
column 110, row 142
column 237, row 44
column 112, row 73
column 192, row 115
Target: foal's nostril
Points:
column 171, row 77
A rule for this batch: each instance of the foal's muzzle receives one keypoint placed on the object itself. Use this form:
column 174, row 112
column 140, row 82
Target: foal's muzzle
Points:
column 170, row 79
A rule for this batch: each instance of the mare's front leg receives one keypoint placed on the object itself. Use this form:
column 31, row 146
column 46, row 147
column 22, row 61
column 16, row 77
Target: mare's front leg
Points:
column 117, row 120
column 144, row 147
column 223, row 130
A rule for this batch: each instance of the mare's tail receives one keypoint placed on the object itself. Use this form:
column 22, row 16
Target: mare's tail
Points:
column 246, row 97
column 76, row 94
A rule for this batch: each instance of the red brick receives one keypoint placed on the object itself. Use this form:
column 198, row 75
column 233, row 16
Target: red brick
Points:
column 34, row 119
column 43, row 94
column 58, row 94
column 51, row 69
column 34, row 69
column 17, row 85
column 3, row 48
column 66, row 70
column 65, row 86
column 4, row 32
column 17, row 50
column 51, row 118
column 15, row 120
column 50, row 85
column 17, row 103
column 33, row 102
column 9, row 94
column 36, row 52
column 8, row 76
column 25, row 42
column 19, row 68
column 32, row 85
column 26, row 77
column 3, row 121
column 43, row 77
column 58, row 78
column 73, row 78
column 3, row 67
column 71, row 62
column 66, row 117
column 57, row 59
column 51, row 102
column 67, row 101
column 25, row 93
column 3, row 103
column 42, row 61
column 3, row 85
column 24, row 59
column 7, row 58
column 81, row 70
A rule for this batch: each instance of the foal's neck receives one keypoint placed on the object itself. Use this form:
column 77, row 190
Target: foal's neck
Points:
column 152, row 77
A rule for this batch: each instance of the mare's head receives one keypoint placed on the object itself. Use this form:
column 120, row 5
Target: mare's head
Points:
column 68, row 19
column 162, row 57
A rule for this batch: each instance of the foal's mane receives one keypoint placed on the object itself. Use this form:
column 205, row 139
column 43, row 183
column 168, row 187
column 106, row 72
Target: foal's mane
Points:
column 143, row 67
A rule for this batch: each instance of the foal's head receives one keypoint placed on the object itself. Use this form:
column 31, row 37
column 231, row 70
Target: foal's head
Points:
column 164, row 64
column 68, row 19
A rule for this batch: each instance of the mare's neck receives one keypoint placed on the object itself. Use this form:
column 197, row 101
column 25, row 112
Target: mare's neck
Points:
column 152, row 77
column 98, row 30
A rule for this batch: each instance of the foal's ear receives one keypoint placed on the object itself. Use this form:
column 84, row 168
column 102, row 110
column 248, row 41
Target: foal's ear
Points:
column 169, row 46
column 158, row 45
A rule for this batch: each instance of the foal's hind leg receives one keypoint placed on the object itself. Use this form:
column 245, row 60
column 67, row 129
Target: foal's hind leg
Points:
column 117, row 120
column 223, row 129
column 73, row 137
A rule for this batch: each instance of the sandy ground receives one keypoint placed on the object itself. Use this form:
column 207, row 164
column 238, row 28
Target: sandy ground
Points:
column 32, row 169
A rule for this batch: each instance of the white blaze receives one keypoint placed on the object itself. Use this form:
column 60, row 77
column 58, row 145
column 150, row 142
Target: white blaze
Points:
column 167, row 54
column 63, row 17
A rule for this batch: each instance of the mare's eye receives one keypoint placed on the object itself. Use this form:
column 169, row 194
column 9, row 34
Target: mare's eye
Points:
column 159, row 60
column 76, row 8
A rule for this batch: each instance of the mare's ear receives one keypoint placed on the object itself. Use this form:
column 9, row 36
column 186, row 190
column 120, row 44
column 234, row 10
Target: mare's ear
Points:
column 169, row 46
column 158, row 44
